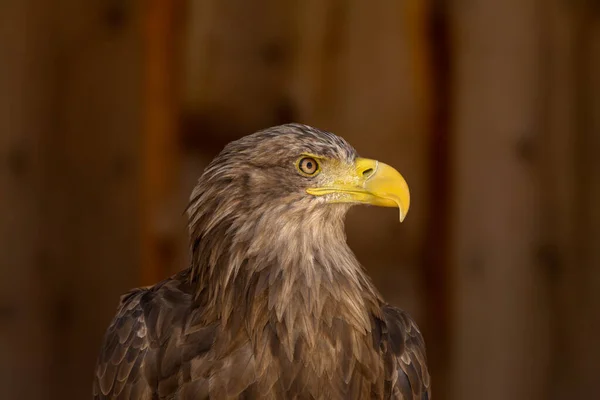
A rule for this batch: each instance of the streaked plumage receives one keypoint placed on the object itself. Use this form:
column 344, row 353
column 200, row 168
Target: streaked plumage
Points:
column 274, row 305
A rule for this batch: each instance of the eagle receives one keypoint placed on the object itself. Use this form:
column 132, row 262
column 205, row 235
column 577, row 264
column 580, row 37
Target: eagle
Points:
column 274, row 304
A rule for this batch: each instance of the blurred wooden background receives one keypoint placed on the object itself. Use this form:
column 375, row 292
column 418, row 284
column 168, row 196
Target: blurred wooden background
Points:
column 109, row 110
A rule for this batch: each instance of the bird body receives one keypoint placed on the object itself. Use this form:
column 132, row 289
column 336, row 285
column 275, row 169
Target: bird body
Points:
column 275, row 304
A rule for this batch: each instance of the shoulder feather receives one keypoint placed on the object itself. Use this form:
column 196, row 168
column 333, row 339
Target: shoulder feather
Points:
column 407, row 376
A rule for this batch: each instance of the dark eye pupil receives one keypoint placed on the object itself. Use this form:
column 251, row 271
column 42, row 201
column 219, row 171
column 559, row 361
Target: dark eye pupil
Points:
column 308, row 166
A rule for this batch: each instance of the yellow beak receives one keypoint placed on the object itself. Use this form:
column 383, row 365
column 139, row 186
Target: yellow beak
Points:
column 368, row 182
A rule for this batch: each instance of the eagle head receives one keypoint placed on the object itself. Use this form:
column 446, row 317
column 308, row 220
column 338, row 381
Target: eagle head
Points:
column 297, row 170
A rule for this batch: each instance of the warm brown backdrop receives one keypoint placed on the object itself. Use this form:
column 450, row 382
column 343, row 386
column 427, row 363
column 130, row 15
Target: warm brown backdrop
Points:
column 109, row 109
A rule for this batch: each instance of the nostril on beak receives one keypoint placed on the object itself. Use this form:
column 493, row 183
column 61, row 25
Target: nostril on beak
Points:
column 367, row 173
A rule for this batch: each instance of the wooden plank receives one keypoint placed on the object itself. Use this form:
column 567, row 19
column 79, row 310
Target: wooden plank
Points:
column 236, row 60
column 160, row 166
column 501, row 305
column 24, row 116
column 91, row 182
column 585, row 311
column 436, row 39
column 558, row 186
column 591, row 232
column 572, row 223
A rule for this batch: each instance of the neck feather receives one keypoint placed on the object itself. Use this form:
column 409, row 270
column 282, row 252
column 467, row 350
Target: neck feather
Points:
column 290, row 259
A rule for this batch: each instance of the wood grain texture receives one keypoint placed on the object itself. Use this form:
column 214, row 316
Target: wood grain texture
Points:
column 90, row 197
column 501, row 299
column 25, row 114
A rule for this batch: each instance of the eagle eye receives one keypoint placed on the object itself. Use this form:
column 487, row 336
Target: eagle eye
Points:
column 308, row 166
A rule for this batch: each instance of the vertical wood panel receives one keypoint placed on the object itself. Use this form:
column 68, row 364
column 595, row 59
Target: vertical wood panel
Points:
column 236, row 57
column 592, row 201
column 437, row 271
column 501, row 308
column 91, row 190
column 586, row 350
column 160, row 174
column 24, row 116
column 573, row 193
column 559, row 190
